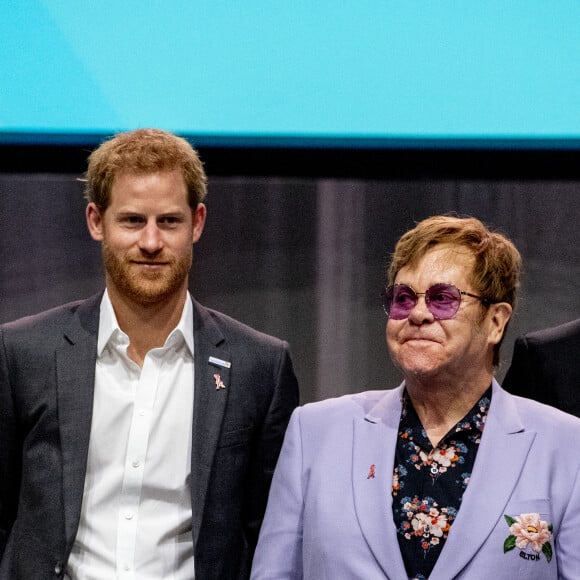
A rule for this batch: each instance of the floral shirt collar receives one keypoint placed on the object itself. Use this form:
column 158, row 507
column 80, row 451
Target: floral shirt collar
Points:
column 474, row 421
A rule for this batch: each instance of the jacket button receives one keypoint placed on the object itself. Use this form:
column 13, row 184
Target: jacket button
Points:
column 58, row 568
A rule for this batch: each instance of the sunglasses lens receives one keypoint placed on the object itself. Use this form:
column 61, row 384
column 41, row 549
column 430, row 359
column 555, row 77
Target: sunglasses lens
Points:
column 443, row 300
column 399, row 300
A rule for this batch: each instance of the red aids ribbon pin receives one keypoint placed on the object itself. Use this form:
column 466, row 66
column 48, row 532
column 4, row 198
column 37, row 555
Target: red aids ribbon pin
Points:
column 219, row 384
column 371, row 474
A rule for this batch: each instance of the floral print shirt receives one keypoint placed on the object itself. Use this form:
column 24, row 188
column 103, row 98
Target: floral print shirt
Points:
column 429, row 482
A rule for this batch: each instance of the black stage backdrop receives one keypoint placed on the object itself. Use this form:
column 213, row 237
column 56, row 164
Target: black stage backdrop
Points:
column 302, row 258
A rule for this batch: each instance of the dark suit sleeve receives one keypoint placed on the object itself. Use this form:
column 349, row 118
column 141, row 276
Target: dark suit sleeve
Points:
column 9, row 455
column 268, row 444
column 531, row 373
column 519, row 379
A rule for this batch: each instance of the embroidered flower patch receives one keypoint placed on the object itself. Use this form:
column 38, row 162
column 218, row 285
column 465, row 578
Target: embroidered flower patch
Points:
column 529, row 532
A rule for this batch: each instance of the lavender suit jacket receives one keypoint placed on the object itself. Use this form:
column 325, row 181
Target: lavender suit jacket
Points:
column 326, row 519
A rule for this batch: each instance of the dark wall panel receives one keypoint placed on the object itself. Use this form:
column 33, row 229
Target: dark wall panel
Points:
column 303, row 259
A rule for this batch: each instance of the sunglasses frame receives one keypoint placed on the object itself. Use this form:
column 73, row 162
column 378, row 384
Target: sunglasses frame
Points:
column 391, row 289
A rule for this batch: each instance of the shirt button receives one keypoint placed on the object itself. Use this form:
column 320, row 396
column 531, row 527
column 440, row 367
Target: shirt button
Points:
column 141, row 412
column 128, row 516
column 136, row 463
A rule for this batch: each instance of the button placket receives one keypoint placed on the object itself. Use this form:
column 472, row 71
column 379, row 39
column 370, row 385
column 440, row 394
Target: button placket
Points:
column 145, row 393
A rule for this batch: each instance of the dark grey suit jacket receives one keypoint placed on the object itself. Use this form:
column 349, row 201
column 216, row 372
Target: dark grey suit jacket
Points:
column 47, row 370
column 546, row 367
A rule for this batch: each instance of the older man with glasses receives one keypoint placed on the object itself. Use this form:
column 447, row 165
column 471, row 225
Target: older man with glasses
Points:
column 446, row 476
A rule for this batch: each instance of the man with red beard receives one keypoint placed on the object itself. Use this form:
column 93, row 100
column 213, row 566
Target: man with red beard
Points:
column 138, row 429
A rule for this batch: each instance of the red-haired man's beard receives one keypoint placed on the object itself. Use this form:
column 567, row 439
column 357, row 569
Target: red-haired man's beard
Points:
column 146, row 279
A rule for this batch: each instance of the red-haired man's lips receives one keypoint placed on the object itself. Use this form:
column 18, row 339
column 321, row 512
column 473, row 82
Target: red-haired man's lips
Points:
column 150, row 265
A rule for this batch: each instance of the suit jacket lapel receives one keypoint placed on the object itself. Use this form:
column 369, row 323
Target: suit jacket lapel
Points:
column 212, row 385
column 75, row 372
column 373, row 462
column 501, row 456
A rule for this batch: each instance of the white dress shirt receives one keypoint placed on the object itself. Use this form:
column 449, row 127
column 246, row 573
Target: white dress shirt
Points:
column 136, row 513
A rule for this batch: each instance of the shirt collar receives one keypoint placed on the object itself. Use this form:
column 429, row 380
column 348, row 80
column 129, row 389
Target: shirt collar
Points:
column 474, row 420
column 109, row 327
